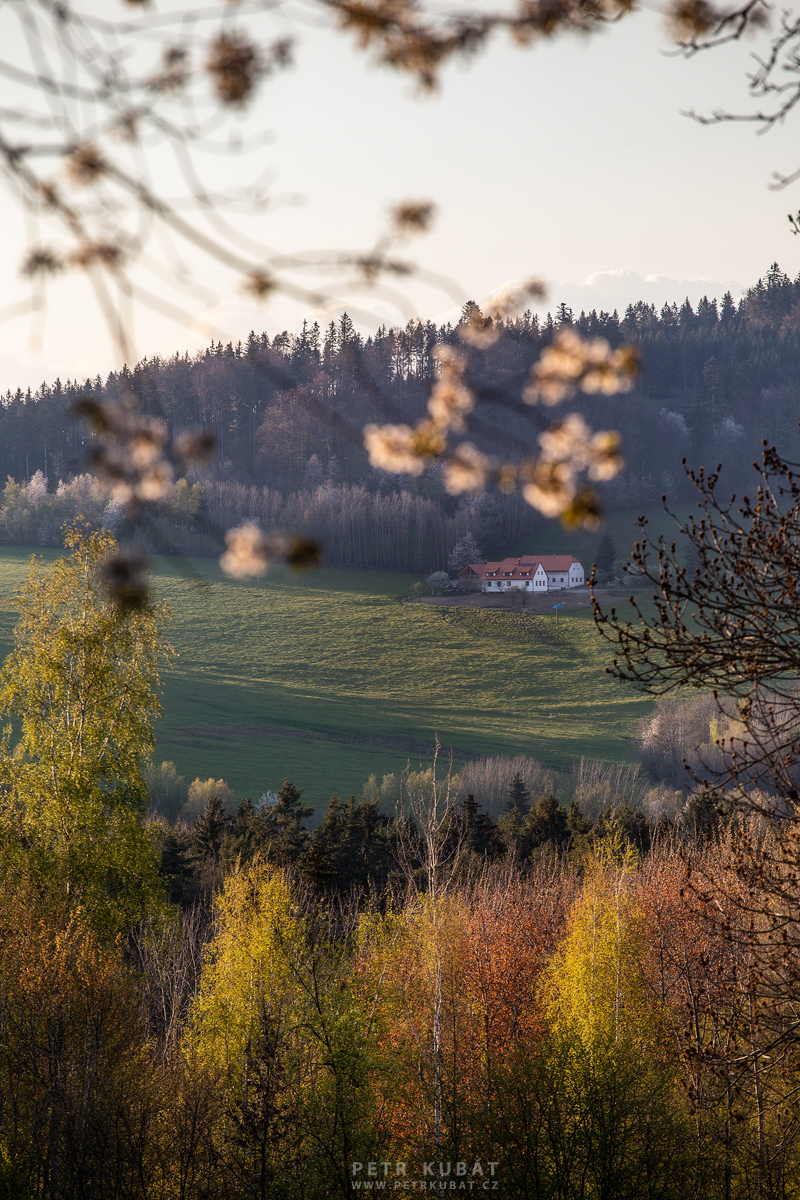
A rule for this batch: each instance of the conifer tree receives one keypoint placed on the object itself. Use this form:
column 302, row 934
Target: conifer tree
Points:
column 318, row 863
column 479, row 830
column 519, row 798
column 605, row 556
column 209, row 831
column 728, row 310
column 470, row 312
column 577, row 824
column 175, row 867
column 288, row 836
column 248, row 833
column 547, row 823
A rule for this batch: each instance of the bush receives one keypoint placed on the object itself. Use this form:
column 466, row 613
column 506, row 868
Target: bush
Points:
column 438, row 581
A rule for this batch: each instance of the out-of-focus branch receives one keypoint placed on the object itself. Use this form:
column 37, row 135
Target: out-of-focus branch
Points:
column 91, row 100
column 411, row 38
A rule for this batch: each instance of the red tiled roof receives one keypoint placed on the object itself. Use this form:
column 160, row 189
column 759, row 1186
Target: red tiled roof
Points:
column 521, row 568
column 557, row 562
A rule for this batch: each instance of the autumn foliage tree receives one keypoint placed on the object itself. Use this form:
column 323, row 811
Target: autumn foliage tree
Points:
column 604, row 1025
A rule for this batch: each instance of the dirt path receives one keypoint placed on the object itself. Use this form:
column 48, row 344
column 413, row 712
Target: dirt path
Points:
column 571, row 598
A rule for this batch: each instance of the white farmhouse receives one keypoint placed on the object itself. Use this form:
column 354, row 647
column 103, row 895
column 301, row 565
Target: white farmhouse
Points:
column 536, row 573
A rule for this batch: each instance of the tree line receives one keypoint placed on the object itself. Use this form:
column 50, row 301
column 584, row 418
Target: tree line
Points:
column 394, row 531
column 713, row 380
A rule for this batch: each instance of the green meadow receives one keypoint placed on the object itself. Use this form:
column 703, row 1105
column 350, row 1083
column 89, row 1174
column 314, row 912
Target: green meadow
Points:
column 327, row 678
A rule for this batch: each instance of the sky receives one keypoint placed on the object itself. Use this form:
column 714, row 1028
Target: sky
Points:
column 570, row 160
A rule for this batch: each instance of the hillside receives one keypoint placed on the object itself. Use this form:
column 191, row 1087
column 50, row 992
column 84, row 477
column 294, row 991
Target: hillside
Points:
column 286, row 415
column 326, row 678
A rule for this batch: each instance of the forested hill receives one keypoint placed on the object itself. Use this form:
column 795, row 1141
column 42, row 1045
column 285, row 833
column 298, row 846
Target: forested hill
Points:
column 714, row 381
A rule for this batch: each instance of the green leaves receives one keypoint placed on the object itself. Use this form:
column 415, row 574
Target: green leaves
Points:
column 81, row 689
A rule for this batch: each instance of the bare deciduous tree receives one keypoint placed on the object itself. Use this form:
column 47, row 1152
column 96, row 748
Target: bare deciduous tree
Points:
column 731, row 626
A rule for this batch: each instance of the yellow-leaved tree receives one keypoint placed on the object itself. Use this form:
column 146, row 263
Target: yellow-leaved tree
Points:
column 621, row 1118
column 596, row 986
column 593, row 1109
column 81, row 689
column 279, row 1028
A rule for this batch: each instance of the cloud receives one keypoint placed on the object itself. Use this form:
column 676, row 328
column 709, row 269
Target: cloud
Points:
column 617, row 287
column 614, row 287
column 32, row 371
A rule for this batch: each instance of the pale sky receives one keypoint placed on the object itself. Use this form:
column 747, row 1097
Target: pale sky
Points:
column 569, row 160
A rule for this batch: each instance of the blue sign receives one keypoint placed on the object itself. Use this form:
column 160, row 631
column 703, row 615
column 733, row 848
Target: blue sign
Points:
column 558, row 606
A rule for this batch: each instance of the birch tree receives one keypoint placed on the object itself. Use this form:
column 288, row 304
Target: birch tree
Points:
column 81, row 691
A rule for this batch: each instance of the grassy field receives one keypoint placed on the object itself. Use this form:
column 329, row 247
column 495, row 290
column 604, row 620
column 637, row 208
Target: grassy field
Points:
column 326, row 678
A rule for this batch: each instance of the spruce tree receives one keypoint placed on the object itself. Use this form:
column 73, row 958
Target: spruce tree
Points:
column 354, row 838
column 519, row 798
column 247, row 834
column 469, row 813
column 365, row 837
column 605, row 556
column 577, row 825
column 512, row 830
column 208, row 831
column 318, row 863
column 175, row 869
column 288, row 836
column 471, row 312
column 634, row 825
column 478, row 828
column 728, row 310
column 547, row 823
column 703, row 817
